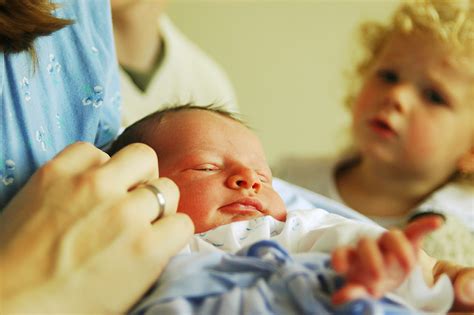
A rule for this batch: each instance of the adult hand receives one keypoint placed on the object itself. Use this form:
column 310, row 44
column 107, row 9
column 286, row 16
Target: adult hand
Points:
column 78, row 238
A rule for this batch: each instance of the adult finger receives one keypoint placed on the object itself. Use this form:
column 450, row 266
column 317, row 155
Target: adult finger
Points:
column 133, row 165
column 144, row 203
column 145, row 253
column 179, row 226
column 419, row 228
column 397, row 244
column 165, row 238
column 349, row 292
column 75, row 159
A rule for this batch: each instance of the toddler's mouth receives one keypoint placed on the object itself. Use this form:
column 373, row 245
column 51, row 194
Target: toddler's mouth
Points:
column 382, row 127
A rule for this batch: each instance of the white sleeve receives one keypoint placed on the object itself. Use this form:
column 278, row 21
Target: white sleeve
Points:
column 319, row 230
column 414, row 293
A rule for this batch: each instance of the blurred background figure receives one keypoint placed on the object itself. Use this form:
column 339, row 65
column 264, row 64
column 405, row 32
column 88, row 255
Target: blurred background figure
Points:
column 286, row 61
column 412, row 126
column 160, row 65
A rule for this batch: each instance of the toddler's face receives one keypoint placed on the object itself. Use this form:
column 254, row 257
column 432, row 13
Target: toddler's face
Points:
column 416, row 108
column 220, row 169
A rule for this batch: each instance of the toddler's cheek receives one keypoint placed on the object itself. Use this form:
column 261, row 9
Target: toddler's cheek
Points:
column 421, row 143
column 364, row 102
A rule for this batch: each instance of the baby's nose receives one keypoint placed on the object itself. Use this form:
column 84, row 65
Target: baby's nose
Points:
column 245, row 179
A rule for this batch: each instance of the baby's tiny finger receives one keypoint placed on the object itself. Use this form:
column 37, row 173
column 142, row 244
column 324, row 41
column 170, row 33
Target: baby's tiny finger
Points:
column 417, row 229
column 397, row 244
column 370, row 256
column 340, row 259
column 464, row 290
column 348, row 293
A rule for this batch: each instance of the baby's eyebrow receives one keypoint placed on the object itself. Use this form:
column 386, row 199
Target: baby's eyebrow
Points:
column 198, row 157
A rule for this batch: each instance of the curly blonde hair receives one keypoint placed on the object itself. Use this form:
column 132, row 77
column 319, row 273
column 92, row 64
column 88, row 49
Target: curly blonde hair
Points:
column 449, row 21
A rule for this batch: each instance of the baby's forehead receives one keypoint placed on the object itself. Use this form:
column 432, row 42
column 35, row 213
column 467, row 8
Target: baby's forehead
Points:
column 199, row 129
column 203, row 122
column 196, row 115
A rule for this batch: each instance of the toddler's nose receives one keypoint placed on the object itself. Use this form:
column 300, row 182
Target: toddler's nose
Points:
column 400, row 97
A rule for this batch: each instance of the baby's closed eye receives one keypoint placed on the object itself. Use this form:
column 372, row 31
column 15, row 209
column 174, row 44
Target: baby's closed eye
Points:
column 207, row 167
column 264, row 178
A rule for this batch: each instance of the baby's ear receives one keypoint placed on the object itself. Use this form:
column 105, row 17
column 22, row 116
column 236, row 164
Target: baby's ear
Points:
column 466, row 162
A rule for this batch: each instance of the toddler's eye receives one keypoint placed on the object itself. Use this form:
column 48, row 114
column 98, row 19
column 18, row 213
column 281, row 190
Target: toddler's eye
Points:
column 434, row 97
column 388, row 76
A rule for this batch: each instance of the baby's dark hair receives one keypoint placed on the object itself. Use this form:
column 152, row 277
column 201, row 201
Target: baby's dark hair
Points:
column 141, row 130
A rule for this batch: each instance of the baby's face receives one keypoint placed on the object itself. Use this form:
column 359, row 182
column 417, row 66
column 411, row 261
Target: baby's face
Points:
column 220, row 169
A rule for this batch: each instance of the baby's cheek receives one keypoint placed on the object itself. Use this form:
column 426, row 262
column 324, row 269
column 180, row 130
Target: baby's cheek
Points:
column 278, row 209
column 194, row 203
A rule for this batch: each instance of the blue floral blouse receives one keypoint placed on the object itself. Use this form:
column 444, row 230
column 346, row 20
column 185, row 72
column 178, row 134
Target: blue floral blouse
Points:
column 71, row 94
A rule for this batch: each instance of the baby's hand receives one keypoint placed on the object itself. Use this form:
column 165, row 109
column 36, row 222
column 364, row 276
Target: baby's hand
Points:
column 462, row 279
column 375, row 267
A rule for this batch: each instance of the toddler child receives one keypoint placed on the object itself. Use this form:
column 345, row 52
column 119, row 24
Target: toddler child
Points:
column 220, row 168
column 413, row 127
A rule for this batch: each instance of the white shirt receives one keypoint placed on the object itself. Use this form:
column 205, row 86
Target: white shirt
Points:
column 318, row 175
column 186, row 75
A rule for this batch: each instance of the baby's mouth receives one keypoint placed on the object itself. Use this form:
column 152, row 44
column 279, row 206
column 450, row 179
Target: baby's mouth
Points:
column 244, row 206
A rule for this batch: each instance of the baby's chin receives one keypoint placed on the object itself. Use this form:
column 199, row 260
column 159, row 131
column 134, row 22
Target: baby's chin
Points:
column 279, row 215
column 204, row 227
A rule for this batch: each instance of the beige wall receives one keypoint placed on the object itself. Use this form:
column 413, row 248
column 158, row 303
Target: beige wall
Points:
column 286, row 61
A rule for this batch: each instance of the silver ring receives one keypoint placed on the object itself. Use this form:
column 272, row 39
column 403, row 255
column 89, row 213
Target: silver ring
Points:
column 159, row 197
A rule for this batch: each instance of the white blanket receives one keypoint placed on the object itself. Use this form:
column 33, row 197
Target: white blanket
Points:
column 316, row 230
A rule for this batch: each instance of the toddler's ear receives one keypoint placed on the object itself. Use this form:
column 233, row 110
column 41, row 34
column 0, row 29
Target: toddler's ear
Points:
column 466, row 162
